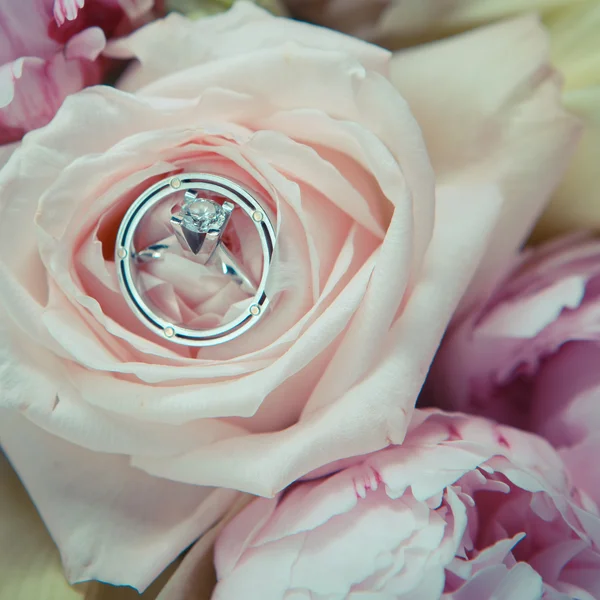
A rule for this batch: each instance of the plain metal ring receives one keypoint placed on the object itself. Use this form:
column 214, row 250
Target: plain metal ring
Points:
column 125, row 253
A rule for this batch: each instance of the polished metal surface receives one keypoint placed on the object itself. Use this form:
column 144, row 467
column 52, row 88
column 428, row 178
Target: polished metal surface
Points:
column 197, row 227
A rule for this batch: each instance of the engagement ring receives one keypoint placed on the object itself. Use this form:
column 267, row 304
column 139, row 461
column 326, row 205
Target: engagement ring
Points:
column 202, row 206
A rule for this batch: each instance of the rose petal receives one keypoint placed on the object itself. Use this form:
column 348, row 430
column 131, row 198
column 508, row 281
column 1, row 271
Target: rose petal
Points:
column 29, row 561
column 498, row 582
column 376, row 409
column 512, row 132
column 85, row 496
column 176, row 43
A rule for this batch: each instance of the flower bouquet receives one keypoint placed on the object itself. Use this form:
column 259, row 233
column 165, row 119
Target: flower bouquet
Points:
column 298, row 300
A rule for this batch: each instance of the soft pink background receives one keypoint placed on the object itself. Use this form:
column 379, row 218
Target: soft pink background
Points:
column 50, row 49
column 529, row 356
column 403, row 186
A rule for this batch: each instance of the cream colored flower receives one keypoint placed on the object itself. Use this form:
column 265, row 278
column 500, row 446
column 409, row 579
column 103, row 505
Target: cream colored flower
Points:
column 574, row 27
column 203, row 8
column 575, row 43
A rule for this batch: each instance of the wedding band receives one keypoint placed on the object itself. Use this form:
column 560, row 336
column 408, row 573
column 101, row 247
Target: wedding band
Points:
column 197, row 227
column 223, row 260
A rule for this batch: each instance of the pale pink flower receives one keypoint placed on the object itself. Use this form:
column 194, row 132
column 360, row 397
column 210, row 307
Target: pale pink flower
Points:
column 529, row 357
column 50, row 49
column 464, row 509
column 391, row 188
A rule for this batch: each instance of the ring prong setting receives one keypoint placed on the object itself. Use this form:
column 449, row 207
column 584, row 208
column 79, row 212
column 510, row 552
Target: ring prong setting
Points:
column 200, row 223
column 200, row 204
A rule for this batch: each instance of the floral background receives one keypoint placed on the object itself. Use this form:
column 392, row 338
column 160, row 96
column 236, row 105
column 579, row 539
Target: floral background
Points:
column 424, row 404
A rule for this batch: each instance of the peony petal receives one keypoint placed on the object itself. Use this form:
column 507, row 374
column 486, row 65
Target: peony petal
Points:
column 86, row 45
column 366, row 529
column 66, row 10
column 498, row 121
column 29, row 561
column 497, row 582
column 32, row 90
column 24, row 30
column 529, row 356
column 582, row 461
column 138, row 524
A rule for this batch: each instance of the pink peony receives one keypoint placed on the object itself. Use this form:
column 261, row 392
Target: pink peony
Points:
column 50, row 49
column 465, row 510
column 395, row 195
column 530, row 356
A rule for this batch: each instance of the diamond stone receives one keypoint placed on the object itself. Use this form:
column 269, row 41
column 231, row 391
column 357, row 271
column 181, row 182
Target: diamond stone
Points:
column 201, row 216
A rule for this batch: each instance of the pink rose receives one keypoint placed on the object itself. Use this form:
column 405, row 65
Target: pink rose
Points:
column 114, row 431
column 50, row 49
column 529, row 357
column 465, row 509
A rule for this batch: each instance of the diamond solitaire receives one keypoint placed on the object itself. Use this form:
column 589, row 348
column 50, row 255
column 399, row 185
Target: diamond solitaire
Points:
column 200, row 207
column 200, row 224
column 201, row 216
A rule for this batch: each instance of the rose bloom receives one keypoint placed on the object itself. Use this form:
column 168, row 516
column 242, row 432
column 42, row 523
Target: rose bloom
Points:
column 393, row 192
column 464, row 509
column 529, row 356
column 50, row 49
column 575, row 49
